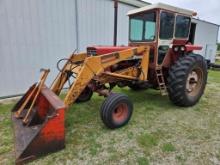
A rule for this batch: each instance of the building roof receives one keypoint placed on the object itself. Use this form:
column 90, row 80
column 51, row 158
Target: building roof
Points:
column 136, row 3
column 163, row 6
column 204, row 21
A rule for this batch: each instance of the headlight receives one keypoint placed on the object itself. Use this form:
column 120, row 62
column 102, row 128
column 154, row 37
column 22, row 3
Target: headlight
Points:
column 179, row 48
column 182, row 48
column 176, row 48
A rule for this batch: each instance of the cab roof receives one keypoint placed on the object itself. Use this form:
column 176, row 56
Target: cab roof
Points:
column 163, row 6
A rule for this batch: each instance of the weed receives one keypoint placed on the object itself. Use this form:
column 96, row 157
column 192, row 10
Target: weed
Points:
column 147, row 141
column 168, row 147
column 143, row 161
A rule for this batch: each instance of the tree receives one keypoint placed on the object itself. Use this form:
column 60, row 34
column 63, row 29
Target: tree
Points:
column 218, row 46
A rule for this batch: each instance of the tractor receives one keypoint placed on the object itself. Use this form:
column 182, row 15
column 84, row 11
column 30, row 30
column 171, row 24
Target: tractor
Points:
column 158, row 56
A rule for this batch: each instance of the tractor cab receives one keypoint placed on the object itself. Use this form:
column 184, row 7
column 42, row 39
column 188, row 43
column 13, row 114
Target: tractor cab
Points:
column 165, row 28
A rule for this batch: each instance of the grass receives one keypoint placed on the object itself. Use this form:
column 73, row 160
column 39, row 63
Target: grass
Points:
column 142, row 161
column 217, row 62
column 158, row 132
column 168, row 147
column 147, row 141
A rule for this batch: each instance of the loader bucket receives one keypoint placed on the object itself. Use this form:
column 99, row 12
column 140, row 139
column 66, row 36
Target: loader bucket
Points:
column 44, row 132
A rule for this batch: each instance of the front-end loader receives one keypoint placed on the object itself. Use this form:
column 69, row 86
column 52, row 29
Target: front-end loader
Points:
column 158, row 56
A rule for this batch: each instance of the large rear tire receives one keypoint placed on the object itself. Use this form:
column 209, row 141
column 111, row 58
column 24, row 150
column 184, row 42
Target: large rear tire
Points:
column 187, row 80
column 116, row 110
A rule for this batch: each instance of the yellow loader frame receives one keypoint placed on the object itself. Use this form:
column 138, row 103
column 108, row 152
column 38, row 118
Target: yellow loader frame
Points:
column 93, row 67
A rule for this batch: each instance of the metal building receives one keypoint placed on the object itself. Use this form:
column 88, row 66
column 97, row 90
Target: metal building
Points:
column 36, row 34
column 205, row 34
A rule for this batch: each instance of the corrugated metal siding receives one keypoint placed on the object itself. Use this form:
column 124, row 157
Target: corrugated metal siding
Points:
column 206, row 36
column 33, row 34
column 123, row 24
column 96, row 23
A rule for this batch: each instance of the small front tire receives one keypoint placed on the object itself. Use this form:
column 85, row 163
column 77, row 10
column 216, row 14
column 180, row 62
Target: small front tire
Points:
column 116, row 110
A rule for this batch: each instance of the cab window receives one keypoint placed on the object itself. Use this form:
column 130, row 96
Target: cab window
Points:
column 137, row 27
column 182, row 26
column 166, row 25
column 143, row 27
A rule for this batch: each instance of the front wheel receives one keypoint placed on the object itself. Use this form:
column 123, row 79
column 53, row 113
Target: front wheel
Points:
column 116, row 110
column 187, row 80
column 85, row 95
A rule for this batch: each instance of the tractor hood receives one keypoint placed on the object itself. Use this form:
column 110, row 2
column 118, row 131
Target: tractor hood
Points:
column 100, row 50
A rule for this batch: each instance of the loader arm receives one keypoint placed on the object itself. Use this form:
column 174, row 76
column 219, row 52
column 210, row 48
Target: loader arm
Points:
column 95, row 65
column 62, row 77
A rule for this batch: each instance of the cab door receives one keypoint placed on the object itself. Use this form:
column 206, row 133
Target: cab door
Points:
column 166, row 34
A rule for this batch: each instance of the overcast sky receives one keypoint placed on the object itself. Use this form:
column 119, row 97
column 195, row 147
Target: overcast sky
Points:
column 208, row 10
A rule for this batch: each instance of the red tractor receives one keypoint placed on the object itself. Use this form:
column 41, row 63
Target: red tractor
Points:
column 173, row 67
column 158, row 56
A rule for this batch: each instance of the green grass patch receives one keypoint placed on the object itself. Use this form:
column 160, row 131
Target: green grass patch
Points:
column 168, row 147
column 147, row 142
column 214, row 77
column 217, row 61
column 142, row 161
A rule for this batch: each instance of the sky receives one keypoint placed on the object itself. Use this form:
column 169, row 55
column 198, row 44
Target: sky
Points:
column 208, row 10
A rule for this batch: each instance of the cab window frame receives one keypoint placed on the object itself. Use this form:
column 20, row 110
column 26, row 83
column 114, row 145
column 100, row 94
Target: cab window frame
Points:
column 173, row 27
column 144, row 26
column 190, row 21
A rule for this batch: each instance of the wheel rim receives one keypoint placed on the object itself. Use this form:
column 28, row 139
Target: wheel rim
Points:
column 120, row 113
column 194, row 82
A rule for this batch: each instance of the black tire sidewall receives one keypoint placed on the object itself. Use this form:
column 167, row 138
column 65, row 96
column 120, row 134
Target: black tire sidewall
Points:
column 194, row 99
column 177, row 79
column 108, row 107
column 111, row 111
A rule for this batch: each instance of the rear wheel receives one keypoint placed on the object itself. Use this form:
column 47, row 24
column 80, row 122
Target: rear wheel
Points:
column 116, row 110
column 85, row 95
column 187, row 80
